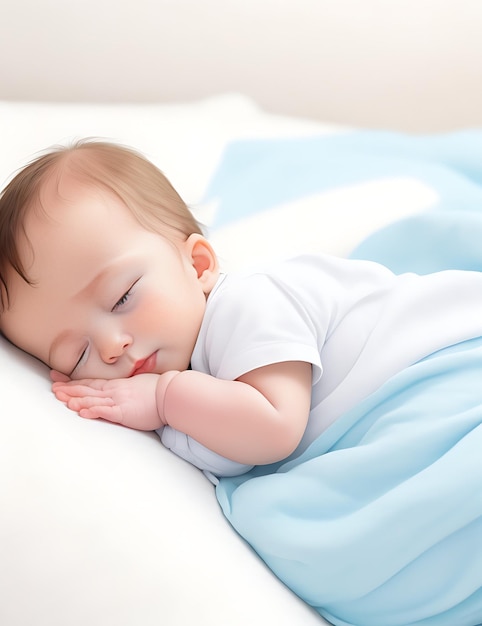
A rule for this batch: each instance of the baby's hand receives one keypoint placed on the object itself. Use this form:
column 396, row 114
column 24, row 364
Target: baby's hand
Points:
column 127, row 401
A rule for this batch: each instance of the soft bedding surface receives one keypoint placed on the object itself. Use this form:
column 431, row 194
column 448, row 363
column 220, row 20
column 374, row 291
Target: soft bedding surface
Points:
column 379, row 522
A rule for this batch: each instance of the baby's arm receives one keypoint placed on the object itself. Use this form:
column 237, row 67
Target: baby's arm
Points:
column 257, row 419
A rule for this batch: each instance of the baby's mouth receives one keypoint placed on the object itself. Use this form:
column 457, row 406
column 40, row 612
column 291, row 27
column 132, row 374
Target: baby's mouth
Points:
column 145, row 366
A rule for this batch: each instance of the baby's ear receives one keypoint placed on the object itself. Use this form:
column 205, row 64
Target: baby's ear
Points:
column 204, row 261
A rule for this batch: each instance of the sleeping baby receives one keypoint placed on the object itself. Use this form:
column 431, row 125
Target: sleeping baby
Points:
column 107, row 278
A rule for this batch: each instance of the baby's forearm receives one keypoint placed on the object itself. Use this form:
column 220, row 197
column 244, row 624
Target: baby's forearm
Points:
column 231, row 418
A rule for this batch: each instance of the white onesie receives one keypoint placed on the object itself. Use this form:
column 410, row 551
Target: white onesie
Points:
column 356, row 322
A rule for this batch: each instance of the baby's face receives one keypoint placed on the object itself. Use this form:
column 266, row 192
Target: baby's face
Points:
column 109, row 298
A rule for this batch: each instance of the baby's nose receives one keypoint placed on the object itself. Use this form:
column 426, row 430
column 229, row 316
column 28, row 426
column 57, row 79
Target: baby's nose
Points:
column 114, row 347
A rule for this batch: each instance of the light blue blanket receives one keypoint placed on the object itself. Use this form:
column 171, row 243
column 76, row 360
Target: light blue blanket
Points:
column 379, row 522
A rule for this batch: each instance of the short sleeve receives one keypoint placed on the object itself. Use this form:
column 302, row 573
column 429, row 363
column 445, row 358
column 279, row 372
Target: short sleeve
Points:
column 254, row 321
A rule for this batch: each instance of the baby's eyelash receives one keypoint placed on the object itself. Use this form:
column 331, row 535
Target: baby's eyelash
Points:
column 125, row 297
column 122, row 300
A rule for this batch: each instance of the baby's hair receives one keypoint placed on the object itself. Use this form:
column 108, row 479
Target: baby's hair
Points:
column 141, row 186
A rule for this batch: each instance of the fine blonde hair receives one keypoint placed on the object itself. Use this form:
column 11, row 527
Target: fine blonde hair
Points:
column 140, row 185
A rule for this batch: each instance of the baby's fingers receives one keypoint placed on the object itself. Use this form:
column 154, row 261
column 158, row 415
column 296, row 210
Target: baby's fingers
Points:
column 88, row 402
column 108, row 413
column 65, row 394
column 60, row 395
column 76, row 390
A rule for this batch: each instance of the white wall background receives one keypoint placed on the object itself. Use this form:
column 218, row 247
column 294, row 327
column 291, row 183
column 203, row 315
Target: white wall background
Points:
column 409, row 64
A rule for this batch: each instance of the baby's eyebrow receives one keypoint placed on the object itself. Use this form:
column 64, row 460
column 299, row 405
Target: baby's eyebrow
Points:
column 110, row 268
column 91, row 285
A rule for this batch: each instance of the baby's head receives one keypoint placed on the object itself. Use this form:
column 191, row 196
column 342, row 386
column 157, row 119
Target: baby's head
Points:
column 140, row 185
column 83, row 229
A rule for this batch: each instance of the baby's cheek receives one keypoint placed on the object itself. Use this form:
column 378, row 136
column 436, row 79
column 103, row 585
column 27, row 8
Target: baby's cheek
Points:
column 149, row 315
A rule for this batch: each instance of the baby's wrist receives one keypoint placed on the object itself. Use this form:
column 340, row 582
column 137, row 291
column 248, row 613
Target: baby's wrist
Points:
column 161, row 388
